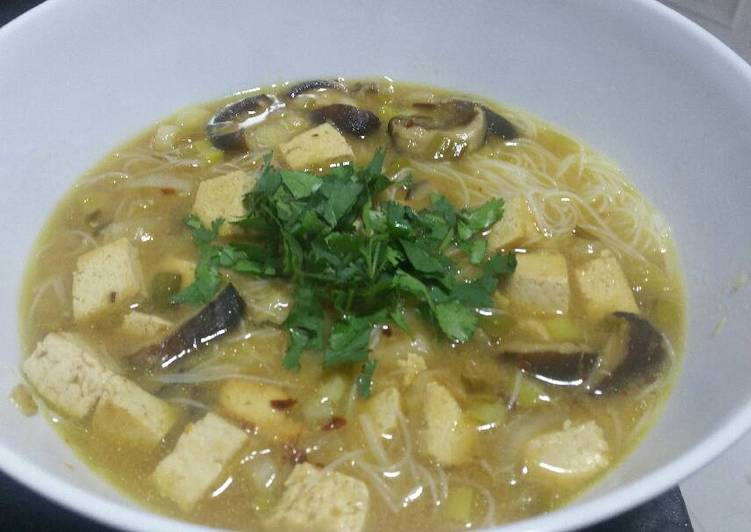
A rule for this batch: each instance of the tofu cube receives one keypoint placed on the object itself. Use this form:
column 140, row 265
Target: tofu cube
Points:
column 106, row 279
column 66, row 374
column 384, row 410
column 603, row 288
column 575, row 453
column 516, row 227
column 447, row 437
column 144, row 326
column 260, row 406
column 222, row 197
column 202, row 453
column 540, row 284
column 128, row 415
column 319, row 147
column 321, row 501
column 185, row 268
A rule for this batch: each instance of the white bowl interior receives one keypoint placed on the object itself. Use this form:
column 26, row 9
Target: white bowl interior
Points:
column 655, row 93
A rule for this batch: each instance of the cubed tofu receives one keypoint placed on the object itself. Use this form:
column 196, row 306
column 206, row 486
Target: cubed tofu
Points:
column 575, row 453
column 222, row 197
column 540, row 284
column 412, row 365
column 261, row 406
column 203, row 451
column 106, row 278
column 319, row 147
column 185, row 268
column 66, row 374
column 127, row 415
column 447, row 437
column 321, row 501
column 603, row 288
column 143, row 326
column 515, row 228
column 384, row 410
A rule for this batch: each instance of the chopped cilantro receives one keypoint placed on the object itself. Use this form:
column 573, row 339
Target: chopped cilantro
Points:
column 355, row 259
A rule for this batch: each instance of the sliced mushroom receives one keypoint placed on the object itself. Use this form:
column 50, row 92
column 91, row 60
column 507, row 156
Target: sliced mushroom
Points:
column 499, row 126
column 562, row 364
column 347, row 118
column 440, row 131
column 635, row 352
column 226, row 128
column 213, row 321
column 314, row 84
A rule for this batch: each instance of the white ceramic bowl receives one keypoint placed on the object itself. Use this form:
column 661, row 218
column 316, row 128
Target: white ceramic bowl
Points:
column 661, row 97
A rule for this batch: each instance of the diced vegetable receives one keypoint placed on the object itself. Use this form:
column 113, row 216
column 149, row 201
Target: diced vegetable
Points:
column 488, row 414
column 458, row 505
column 531, row 394
column 207, row 153
column 164, row 286
column 564, row 330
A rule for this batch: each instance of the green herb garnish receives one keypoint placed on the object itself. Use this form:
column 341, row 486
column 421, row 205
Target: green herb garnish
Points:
column 355, row 260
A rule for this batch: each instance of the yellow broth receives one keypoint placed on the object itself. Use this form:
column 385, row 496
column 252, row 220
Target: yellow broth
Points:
column 582, row 204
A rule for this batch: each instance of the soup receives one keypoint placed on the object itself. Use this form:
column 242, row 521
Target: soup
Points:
column 351, row 305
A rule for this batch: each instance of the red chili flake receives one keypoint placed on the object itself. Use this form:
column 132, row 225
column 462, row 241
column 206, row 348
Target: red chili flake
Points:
column 335, row 423
column 296, row 456
column 283, row 404
column 168, row 191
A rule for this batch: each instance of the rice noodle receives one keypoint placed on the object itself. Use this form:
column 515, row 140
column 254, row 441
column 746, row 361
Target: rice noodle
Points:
column 343, row 459
column 373, row 440
column 185, row 401
column 215, row 373
column 55, row 283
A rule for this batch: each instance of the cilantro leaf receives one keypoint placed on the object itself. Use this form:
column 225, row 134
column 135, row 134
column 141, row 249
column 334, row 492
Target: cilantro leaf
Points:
column 420, row 258
column 349, row 340
column 300, row 184
column 482, row 217
column 456, row 320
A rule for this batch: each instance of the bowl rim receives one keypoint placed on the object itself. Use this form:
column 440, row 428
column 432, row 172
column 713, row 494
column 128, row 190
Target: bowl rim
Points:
column 575, row 515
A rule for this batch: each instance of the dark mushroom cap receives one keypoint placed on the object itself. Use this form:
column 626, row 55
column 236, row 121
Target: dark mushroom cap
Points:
column 640, row 349
column 561, row 364
column 213, row 321
column 499, row 126
column 445, row 130
column 225, row 129
column 314, row 84
column 347, row 118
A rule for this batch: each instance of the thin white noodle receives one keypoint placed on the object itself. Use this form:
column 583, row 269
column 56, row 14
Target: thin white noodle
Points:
column 373, row 440
column 425, row 475
column 341, row 460
column 380, row 486
column 185, row 401
column 56, row 284
column 212, row 376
